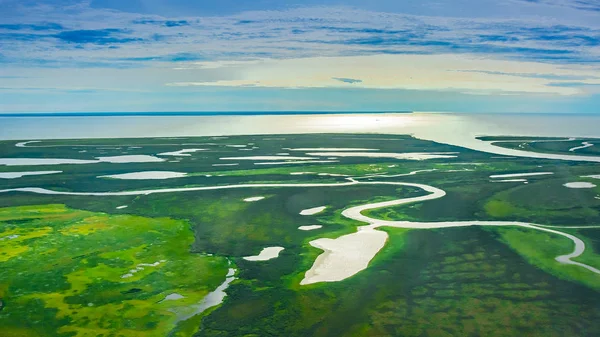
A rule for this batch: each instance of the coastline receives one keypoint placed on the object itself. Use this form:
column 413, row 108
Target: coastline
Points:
column 196, row 113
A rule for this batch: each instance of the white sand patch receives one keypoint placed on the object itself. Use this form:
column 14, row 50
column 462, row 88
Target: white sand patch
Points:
column 383, row 175
column 510, row 181
column 282, row 154
column 173, row 297
column 181, row 153
column 240, row 145
column 579, row 184
column 583, row 146
column 267, row 158
column 297, row 162
column 233, row 164
column 140, row 266
column 61, row 161
column 42, row 161
column 320, row 174
column 122, row 207
column 140, row 158
column 14, row 175
column 332, row 149
column 146, row 175
column 516, row 175
column 344, row 256
column 265, row 254
column 593, row 176
column 309, row 227
column 333, row 174
column 253, row 199
column 203, row 144
column 10, row 237
column 391, row 166
column 313, row 210
column 403, row 156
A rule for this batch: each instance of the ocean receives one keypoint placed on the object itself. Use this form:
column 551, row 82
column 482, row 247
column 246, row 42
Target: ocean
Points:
column 450, row 128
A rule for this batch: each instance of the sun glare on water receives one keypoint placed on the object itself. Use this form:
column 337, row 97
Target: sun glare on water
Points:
column 363, row 122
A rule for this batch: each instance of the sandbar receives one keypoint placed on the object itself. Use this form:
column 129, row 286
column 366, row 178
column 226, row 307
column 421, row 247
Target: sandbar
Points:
column 181, row 153
column 579, row 184
column 309, row 227
column 403, row 156
column 146, row 175
column 265, row 254
column 516, row 175
column 313, row 210
column 13, row 175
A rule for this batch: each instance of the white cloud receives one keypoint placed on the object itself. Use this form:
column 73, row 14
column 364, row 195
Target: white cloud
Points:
column 462, row 72
column 308, row 32
column 308, row 48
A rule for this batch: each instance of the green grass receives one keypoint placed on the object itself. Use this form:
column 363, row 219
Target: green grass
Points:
column 455, row 282
column 73, row 250
column 545, row 202
column 541, row 248
column 67, row 265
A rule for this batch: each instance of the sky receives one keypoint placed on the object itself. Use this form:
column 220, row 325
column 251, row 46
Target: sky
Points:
column 518, row 56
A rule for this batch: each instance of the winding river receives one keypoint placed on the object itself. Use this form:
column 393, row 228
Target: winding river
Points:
column 340, row 259
column 349, row 254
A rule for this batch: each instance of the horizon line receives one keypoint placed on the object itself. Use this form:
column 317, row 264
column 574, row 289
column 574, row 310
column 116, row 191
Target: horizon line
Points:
column 258, row 113
column 193, row 113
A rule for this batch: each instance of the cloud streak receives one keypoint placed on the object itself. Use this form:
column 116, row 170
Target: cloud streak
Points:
column 465, row 73
column 299, row 32
column 347, row 80
column 108, row 36
column 518, row 47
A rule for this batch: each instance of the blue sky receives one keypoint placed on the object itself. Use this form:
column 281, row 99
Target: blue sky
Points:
column 178, row 55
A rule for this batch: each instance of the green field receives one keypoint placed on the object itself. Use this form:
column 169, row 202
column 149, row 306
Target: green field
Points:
column 143, row 264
